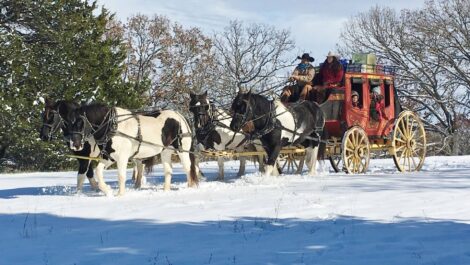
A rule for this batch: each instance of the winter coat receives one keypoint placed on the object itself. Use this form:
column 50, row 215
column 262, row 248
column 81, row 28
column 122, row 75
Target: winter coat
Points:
column 329, row 76
column 377, row 108
column 305, row 76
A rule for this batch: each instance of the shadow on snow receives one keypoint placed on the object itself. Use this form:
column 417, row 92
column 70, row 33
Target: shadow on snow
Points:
column 50, row 239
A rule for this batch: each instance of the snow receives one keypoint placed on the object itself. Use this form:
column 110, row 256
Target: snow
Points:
column 382, row 217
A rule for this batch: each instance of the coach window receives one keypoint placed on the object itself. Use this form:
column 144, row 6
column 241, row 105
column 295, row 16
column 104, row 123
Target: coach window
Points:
column 357, row 85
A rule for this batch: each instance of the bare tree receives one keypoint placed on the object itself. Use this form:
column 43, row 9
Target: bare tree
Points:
column 250, row 56
column 424, row 81
column 175, row 60
column 147, row 41
column 188, row 65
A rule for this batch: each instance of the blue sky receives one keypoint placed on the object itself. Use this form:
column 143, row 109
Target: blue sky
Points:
column 315, row 24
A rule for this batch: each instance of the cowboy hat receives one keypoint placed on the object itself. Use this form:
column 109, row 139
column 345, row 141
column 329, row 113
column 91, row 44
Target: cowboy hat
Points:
column 306, row 56
column 354, row 93
column 332, row 54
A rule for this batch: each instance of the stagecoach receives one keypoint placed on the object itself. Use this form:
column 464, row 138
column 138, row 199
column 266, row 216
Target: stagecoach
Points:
column 354, row 134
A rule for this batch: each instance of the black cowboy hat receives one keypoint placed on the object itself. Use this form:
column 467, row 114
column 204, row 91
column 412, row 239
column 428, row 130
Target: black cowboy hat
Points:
column 307, row 57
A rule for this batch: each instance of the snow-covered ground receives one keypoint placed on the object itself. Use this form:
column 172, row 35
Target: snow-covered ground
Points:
column 382, row 217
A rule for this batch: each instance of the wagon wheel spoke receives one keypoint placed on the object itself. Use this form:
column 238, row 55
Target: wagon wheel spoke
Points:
column 408, row 127
column 285, row 163
column 349, row 149
column 295, row 163
column 414, row 128
column 400, row 140
column 399, row 148
column 414, row 163
column 409, row 163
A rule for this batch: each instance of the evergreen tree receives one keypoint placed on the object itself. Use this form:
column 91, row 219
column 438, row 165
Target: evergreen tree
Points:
column 58, row 49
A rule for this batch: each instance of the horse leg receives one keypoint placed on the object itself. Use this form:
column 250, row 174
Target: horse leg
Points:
column 122, row 167
column 273, row 153
column 241, row 170
column 220, row 162
column 134, row 174
column 91, row 177
column 301, row 165
column 261, row 163
column 276, row 170
column 82, row 169
column 167, row 169
column 186, row 162
column 138, row 173
column 313, row 162
column 99, row 175
column 260, row 158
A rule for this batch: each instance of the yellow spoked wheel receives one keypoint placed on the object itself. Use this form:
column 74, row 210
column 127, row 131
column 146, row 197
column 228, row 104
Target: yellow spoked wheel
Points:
column 336, row 162
column 356, row 150
column 291, row 163
column 408, row 142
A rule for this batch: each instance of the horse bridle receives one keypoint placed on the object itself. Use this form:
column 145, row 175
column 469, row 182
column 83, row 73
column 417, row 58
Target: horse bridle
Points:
column 266, row 129
column 209, row 114
column 247, row 112
column 109, row 123
column 57, row 122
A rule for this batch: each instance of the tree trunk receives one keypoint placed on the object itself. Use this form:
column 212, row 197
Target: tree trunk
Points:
column 455, row 150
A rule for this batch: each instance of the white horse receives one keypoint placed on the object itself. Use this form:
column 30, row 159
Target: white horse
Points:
column 213, row 132
column 123, row 136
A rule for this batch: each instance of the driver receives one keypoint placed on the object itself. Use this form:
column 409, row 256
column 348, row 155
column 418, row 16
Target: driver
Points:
column 302, row 76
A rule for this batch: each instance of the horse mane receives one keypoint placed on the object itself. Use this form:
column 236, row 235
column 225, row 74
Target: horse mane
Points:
column 94, row 107
column 262, row 103
column 64, row 102
column 95, row 111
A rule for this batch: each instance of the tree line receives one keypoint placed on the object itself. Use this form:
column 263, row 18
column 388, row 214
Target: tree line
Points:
column 75, row 50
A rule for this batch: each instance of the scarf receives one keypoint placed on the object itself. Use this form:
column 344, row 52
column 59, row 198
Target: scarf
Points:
column 303, row 66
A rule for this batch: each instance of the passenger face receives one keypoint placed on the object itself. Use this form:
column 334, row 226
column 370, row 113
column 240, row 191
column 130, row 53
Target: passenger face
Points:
column 329, row 59
column 355, row 99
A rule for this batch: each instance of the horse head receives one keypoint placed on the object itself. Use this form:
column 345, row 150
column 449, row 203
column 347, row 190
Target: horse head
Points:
column 89, row 121
column 200, row 106
column 242, row 110
column 56, row 115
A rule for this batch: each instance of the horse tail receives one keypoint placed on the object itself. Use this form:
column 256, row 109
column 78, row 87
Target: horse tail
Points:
column 149, row 163
column 192, row 171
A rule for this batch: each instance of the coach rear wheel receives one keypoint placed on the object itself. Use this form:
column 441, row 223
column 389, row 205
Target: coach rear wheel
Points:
column 291, row 163
column 356, row 150
column 408, row 142
column 336, row 162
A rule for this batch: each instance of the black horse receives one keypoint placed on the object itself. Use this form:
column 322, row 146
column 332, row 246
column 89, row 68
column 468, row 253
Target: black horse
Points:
column 213, row 131
column 57, row 116
column 277, row 125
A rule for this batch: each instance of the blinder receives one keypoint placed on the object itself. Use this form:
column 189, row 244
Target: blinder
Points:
column 55, row 125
